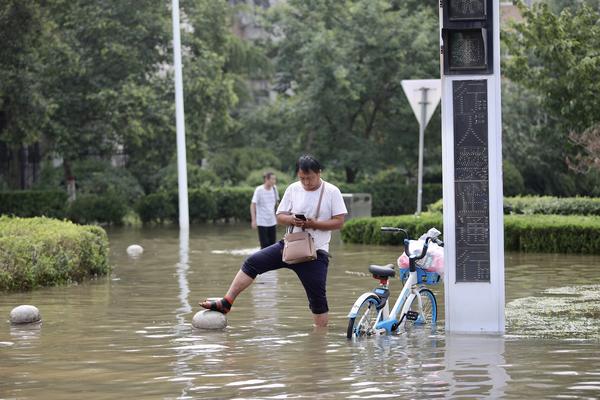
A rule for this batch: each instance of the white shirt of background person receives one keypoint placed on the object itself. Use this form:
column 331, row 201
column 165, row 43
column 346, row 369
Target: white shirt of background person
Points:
column 262, row 206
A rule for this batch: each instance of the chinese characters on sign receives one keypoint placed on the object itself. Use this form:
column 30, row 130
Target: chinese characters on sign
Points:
column 471, row 179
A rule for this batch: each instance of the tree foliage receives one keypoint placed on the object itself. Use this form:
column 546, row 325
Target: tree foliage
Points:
column 553, row 63
column 94, row 79
column 23, row 107
column 339, row 65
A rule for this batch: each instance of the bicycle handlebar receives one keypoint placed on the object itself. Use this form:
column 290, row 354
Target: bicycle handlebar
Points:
column 423, row 251
column 406, row 242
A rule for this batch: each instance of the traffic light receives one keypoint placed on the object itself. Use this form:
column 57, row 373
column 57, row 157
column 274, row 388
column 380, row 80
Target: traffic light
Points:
column 467, row 33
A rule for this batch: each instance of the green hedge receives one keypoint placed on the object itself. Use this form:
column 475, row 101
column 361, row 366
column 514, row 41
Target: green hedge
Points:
column 44, row 252
column 367, row 230
column 532, row 233
column 210, row 204
column 105, row 209
column 553, row 205
column 109, row 208
column 204, row 205
column 394, row 198
column 34, row 203
column 543, row 205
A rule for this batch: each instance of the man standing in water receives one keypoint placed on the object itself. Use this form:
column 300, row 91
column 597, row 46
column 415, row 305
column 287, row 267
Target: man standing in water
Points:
column 298, row 208
column 262, row 210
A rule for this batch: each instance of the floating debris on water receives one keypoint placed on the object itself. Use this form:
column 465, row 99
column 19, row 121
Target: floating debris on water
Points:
column 571, row 312
column 356, row 273
column 237, row 252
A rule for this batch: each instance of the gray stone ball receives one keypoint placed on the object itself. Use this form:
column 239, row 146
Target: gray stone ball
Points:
column 135, row 250
column 207, row 319
column 25, row 314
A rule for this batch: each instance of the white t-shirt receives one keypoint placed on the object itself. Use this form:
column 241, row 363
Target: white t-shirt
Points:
column 265, row 201
column 299, row 201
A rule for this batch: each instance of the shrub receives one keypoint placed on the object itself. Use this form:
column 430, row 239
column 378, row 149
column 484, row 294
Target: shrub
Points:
column 95, row 177
column 255, row 178
column 196, row 177
column 233, row 202
column 535, row 233
column 542, row 205
column 436, row 207
column 367, row 230
column 553, row 205
column 394, row 198
column 552, row 233
column 513, row 181
column 43, row 252
column 202, row 205
column 232, row 165
column 34, row 203
column 157, row 207
column 106, row 209
column 230, row 203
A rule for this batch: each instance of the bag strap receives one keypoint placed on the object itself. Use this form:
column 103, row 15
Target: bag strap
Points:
column 320, row 198
column 291, row 227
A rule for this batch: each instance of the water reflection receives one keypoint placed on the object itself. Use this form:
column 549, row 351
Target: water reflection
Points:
column 474, row 366
column 180, row 366
column 182, row 270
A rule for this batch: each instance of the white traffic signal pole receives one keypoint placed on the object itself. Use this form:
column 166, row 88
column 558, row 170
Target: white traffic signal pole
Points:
column 184, row 219
column 472, row 167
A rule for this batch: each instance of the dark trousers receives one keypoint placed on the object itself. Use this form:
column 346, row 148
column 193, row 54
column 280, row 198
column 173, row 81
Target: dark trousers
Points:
column 312, row 274
column 267, row 235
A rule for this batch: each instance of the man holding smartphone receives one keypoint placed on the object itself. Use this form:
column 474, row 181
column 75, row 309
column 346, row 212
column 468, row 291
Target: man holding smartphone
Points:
column 298, row 208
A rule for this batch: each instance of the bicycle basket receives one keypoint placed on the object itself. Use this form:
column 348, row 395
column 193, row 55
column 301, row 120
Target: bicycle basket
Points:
column 423, row 277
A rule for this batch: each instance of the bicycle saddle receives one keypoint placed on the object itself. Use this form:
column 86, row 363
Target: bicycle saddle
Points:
column 382, row 271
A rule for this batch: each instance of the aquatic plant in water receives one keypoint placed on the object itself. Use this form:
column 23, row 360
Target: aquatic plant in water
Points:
column 571, row 312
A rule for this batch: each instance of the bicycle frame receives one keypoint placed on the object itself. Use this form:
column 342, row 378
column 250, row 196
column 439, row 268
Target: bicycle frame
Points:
column 387, row 321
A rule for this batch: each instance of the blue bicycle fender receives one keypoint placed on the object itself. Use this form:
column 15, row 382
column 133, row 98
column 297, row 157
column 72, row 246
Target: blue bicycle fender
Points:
column 358, row 302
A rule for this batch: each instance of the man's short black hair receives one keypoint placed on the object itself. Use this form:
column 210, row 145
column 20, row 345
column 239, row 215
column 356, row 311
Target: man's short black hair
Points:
column 268, row 175
column 308, row 163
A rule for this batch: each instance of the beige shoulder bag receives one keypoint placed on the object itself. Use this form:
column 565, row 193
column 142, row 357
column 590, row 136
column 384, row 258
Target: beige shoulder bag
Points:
column 299, row 247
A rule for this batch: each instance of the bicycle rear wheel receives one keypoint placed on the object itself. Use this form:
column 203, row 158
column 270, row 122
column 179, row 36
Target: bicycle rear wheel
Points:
column 429, row 315
column 364, row 322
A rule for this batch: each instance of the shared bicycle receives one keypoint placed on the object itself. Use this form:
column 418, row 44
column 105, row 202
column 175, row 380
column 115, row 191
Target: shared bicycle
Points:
column 416, row 305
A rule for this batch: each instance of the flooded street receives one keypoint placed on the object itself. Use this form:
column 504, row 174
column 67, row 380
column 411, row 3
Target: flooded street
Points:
column 129, row 335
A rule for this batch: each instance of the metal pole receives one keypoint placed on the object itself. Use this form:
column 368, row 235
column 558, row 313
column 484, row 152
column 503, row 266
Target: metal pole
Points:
column 184, row 222
column 422, row 124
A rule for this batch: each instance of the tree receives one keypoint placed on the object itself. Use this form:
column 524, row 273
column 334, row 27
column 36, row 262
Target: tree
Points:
column 24, row 110
column 341, row 64
column 98, row 73
column 554, row 57
column 589, row 158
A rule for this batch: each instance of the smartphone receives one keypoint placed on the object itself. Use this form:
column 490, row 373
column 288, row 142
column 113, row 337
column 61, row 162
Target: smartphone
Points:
column 300, row 216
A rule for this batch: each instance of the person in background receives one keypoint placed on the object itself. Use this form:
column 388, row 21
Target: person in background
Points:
column 298, row 209
column 262, row 209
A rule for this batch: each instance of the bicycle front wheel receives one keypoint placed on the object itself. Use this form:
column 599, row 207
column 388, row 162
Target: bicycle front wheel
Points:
column 364, row 322
column 429, row 314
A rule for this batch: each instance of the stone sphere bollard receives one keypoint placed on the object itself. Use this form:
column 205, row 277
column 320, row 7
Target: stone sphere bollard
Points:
column 135, row 250
column 25, row 314
column 207, row 319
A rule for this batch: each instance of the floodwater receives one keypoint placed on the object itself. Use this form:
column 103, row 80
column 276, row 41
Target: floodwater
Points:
column 129, row 335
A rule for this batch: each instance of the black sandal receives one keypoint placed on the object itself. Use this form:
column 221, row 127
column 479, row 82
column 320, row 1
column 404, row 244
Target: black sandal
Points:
column 221, row 305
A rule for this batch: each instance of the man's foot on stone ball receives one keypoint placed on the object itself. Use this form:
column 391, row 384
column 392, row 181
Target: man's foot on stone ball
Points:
column 222, row 305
